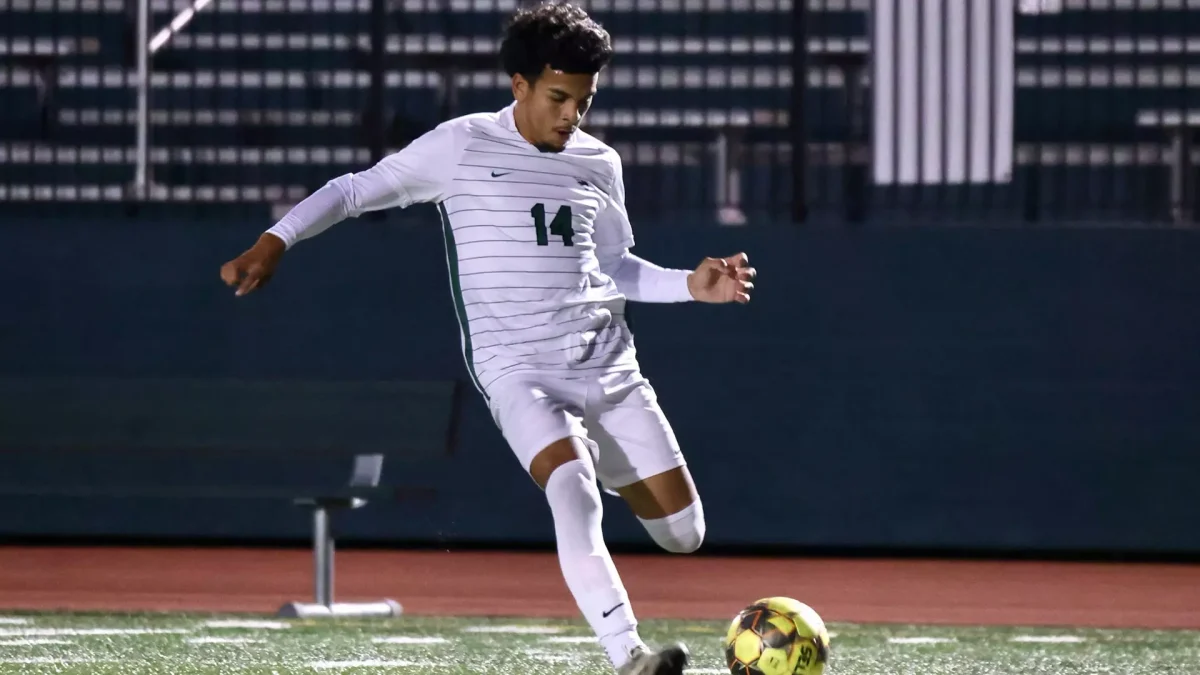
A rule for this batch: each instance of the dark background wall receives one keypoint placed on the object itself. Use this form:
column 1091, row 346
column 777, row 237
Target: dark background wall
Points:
column 950, row 388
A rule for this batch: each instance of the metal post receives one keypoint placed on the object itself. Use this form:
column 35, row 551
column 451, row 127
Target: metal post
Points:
column 728, row 212
column 729, row 205
column 140, row 178
column 1181, row 174
column 855, row 172
column 721, row 152
column 734, row 145
column 376, row 132
column 322, row 557
column 796, row 114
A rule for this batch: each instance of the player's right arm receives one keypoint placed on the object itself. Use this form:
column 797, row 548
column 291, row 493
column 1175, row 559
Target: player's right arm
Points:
column 418, row 173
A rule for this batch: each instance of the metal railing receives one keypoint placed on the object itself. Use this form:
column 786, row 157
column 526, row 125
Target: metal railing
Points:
column 1035, row 112
column 908, row 111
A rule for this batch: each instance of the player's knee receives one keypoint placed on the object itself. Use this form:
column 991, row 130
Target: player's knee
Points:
column 680, row 532
column 572, row 486
column 573, row 474
column 558, row 454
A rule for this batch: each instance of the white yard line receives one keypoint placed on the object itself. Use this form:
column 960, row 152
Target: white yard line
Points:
column 247, row 623
column 212, row 640
column 375, row 663
column 515, row 630
column 1047, row 638
column 409, row 640
column 28, row 632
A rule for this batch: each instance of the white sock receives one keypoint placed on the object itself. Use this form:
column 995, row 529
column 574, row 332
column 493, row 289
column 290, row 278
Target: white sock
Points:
column 681, row 532
column 586, row 564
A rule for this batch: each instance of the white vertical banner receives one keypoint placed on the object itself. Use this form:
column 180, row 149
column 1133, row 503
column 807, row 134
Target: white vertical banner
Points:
column 942, row 84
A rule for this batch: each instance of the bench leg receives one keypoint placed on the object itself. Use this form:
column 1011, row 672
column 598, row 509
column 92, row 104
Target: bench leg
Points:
column 322, row 557
column 323, row 549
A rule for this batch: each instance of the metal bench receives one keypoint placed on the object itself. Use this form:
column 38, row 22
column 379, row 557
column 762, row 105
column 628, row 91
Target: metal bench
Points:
column 364, row 477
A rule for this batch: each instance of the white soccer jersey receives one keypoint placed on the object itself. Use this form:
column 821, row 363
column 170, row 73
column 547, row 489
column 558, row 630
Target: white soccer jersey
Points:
column 522, row 231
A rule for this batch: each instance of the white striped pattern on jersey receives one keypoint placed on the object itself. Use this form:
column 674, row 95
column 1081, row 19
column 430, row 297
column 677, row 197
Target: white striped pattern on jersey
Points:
column 521, row 229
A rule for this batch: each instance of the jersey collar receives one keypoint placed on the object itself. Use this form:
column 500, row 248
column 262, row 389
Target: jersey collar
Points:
column 507, row 120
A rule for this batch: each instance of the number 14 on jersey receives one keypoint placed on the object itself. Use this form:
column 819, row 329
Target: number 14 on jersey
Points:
column 561, row 225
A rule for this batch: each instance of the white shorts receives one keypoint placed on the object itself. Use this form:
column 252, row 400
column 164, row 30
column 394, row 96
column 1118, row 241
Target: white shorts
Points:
column 616, row 415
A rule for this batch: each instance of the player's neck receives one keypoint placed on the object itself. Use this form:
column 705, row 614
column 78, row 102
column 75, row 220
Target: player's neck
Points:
column 523, row 129
column 522, row 126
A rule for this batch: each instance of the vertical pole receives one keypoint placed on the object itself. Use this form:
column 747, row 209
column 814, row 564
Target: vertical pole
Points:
column 140, row 178
column 329, row 564
column 376, row 135
column 722, row 172
column 855, row 172
column 1181, row 182
column 374, row 119
column 796, row 117
column 322, row 557
column 734, row 147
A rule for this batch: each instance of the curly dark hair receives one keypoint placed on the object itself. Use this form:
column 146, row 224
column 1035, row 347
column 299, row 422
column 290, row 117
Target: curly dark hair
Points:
column 555, row 34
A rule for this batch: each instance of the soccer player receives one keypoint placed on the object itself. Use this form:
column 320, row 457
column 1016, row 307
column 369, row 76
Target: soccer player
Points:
column 537, row 244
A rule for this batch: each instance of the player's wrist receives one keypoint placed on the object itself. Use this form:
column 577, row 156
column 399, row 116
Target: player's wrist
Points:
column 689, row 286
column 271, row 244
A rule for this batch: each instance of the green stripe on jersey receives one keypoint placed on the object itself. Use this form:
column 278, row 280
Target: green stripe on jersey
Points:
column 456, row 289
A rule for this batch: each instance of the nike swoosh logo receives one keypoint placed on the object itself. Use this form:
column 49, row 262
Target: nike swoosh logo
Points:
column 497, row 175
column 605, row 614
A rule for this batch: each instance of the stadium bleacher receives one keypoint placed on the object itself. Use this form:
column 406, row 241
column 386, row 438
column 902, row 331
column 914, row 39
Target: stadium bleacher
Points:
column 264, row 100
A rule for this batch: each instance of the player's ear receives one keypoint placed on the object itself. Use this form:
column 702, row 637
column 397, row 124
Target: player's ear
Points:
column 520, row 87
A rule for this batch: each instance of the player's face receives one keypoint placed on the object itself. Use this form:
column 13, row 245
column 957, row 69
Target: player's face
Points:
column 550, row 109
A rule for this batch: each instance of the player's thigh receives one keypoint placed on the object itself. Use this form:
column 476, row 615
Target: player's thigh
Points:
column 542, row 422
column 660, row 495
column 638, row 453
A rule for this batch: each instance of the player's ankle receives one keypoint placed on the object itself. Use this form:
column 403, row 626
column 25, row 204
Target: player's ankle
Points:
column 621, row 646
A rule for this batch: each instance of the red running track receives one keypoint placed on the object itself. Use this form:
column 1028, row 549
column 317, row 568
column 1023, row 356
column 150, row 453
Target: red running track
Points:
column 660, row 586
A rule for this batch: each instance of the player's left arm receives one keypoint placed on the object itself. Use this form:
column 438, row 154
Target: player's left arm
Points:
column 716, row 280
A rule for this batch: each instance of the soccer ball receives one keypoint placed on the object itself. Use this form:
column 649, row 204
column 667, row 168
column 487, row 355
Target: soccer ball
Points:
column 777, row 636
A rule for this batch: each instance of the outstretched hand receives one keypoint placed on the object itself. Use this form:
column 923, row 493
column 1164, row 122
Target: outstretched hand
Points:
column 722, row 280
column 253, row 269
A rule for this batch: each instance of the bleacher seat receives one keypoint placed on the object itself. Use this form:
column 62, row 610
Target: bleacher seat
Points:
column 238, row 97
column 241, row 94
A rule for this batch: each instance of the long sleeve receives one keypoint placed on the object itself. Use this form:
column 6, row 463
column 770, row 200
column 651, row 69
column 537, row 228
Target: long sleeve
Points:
column 641, row 280
column 418, row 173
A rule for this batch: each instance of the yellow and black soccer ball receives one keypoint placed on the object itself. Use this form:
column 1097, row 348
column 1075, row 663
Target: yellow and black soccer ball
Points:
column 777, row 636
